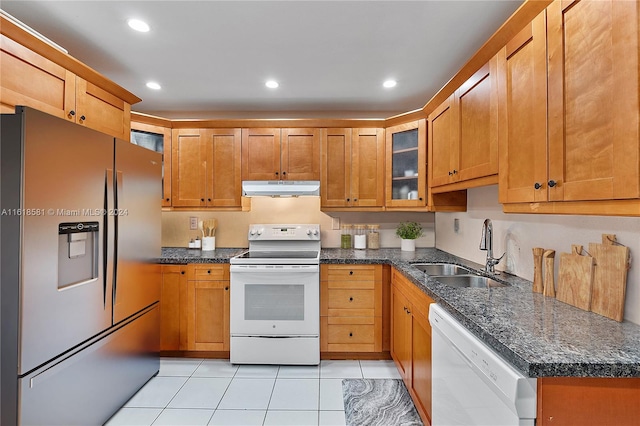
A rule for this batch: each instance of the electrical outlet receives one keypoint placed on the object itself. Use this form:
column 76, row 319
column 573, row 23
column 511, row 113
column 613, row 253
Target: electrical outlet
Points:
column 193, row 223
column 335, row 223
column 456, row 225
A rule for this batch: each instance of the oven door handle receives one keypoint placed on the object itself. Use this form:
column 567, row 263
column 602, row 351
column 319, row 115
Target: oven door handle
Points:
column 303, row 269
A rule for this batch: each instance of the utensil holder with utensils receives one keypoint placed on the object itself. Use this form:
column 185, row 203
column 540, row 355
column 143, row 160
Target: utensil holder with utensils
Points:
column 209, row 227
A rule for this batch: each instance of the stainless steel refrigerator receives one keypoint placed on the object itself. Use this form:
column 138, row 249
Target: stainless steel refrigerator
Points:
column 79, row 289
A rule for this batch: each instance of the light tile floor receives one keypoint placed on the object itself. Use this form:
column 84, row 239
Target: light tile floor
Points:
column 191, row 391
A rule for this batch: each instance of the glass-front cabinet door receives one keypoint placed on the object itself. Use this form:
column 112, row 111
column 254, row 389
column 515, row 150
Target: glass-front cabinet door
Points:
column 406, row 147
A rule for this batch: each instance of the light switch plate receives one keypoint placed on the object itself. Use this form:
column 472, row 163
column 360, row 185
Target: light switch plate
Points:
column 456, row 225
column 335, row 223
column 193, row 223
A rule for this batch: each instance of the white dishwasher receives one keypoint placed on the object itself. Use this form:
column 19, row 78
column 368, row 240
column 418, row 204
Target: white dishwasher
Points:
column 473, row 385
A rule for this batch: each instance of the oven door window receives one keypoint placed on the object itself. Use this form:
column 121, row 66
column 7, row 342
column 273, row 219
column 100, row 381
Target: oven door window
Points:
column 273, row 302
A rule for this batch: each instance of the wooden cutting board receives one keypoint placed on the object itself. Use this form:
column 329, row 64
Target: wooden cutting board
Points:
column 575, row 278
column 610, row 277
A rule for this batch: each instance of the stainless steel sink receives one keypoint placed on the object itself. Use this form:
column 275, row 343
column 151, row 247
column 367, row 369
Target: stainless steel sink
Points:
column 466, row 281
column 442, row 269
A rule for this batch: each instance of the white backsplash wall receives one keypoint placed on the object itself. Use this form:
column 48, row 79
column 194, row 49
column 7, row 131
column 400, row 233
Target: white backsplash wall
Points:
column 517, row 234
column 233, row 226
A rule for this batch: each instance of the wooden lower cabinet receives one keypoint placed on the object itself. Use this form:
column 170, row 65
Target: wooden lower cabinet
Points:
column 208, row 307
column 411, row 341
column 351, row 308
column 173, row 318
column 588, row 401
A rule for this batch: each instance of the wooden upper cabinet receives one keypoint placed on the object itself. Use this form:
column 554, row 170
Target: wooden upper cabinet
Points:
column 464, row 131
column 100, row 110
column 367, row 167
column 522, row 101
column 442, row 134
column 206, row 167
column 335, row 181
column 261, row 154
column 280, row 154
column 406, row 164
column 29, row 79
column 352, row 168
column 300, row 154
column 477, row 147
column 223, row 171
column 593, row 100
column 163, row 133
column 188, row 178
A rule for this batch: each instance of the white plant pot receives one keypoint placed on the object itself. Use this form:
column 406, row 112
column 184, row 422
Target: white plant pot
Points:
column 407, row 245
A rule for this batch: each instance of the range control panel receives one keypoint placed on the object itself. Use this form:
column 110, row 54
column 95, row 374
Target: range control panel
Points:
column 284, row 232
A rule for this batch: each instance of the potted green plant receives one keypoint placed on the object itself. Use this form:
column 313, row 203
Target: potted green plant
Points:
column 408, row 232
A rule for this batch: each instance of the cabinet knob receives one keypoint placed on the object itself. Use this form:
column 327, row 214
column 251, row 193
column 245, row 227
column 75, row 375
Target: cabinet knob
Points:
column 277, row 173
column 408, row 311
column 182, row 272
column 167, row 199
column 82, row 118
column 405, row 308
column 350, row 272
column 420, row 198
column 72, row 113
column 552, row 183
column 450, row 173
column 348, row 199
column 202, row 199
column 208, row 272
column 351, row 299
column 355, row 199
column 284, row 173
column 537, row 185
column 455, row 171
column 350, row 334
column 208, row 199
column 226, row 288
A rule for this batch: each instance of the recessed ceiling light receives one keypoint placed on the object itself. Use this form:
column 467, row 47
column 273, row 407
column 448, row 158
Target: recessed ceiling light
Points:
column 153, row 85
column 138, row 25
column 389, row 84
column 271, row 84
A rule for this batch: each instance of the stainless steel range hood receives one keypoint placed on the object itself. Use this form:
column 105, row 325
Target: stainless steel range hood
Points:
column 280, row 188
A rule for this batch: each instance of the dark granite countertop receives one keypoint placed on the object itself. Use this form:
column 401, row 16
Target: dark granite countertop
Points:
column 538, row 335
column 181, row 255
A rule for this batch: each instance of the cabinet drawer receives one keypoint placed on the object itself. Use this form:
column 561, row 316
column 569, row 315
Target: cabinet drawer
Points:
column 352, row 272
column 351, row 299
column 350, row 334
column 208, row 272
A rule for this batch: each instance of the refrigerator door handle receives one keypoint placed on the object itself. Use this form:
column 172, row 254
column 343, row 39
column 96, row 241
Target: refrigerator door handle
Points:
column 115, row 213
column 107, row 259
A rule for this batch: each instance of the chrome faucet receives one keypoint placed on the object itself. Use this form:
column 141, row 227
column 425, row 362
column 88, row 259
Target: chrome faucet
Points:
column 486, row 243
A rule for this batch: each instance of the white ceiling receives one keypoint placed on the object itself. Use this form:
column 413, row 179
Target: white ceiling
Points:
column 212, row 58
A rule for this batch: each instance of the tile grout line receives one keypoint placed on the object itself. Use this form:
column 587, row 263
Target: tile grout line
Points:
column 178, row 391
